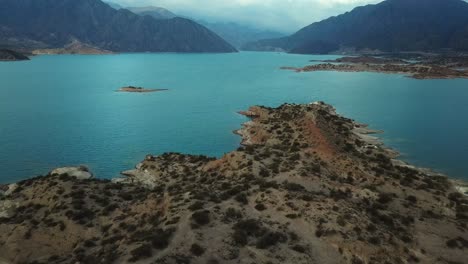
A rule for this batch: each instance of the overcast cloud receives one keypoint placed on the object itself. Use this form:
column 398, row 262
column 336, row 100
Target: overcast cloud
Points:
column 283, row 15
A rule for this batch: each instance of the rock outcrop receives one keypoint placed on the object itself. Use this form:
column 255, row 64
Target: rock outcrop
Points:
column 80, row 173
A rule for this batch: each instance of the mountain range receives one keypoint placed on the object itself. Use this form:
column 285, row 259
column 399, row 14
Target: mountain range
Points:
column 238, row 34
column 55, row 23
column 234, row 33
column 392, row 26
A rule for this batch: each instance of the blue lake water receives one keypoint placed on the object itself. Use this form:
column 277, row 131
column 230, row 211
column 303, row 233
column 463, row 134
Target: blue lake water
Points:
column 63, row 110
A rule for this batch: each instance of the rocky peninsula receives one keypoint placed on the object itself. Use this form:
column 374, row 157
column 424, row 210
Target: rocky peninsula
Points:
column 10, row 55
column 74, row 47
column 366, row 60
column 306, row 186
column 430, row 68
column 133, row 89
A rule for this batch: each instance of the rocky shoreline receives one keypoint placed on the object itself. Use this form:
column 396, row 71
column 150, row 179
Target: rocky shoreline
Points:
column 306, row 186
column 75, row 47
column 10, row 55
column 428, row 69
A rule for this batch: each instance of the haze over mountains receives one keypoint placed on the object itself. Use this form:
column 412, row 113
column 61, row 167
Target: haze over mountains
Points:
column 155, row 12
column 390, row 26
column 393, row 25
column 239, row 35
column 56, row 23
column 235, row 33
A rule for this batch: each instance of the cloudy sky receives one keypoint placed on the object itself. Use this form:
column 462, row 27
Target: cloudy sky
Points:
column 283, row 15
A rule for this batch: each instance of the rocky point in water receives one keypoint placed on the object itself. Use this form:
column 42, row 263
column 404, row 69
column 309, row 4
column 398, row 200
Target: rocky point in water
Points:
column 433, row 67
column 306, row 186
column 134, row 89
column 10, row 55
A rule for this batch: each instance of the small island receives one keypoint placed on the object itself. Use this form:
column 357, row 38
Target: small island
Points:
column 134, row 89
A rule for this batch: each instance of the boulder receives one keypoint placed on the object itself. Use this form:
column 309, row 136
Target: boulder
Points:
column 81, row 172
column 8, row 208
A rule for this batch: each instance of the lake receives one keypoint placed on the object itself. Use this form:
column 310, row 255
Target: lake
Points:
column 64, row 110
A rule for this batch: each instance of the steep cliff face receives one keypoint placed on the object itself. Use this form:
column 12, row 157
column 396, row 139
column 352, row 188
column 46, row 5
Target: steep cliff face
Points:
column 393, row 25
column 56, row 23
column 307, row 186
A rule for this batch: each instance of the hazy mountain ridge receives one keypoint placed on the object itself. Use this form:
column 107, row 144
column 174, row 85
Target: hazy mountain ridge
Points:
column 393, row 25
column 114, row 5
column 55, row 23
column 236, row 34
column 155, row 12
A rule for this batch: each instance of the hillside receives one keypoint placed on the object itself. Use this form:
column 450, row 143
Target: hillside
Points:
column 307, row 186
column 56, row 23
column 393, row 25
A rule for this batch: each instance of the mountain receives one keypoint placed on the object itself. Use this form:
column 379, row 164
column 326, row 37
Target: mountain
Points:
column 114, row 5
column 56, row 23
column 392, row 25
column 155, row 12
column 238, row 35
column 9, row 55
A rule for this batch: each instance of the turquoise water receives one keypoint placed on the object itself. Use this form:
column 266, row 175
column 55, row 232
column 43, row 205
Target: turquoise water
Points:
column 63, row 110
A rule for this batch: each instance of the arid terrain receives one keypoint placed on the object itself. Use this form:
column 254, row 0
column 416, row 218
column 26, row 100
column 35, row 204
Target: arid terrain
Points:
column 306, row 186
column 427, row 67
